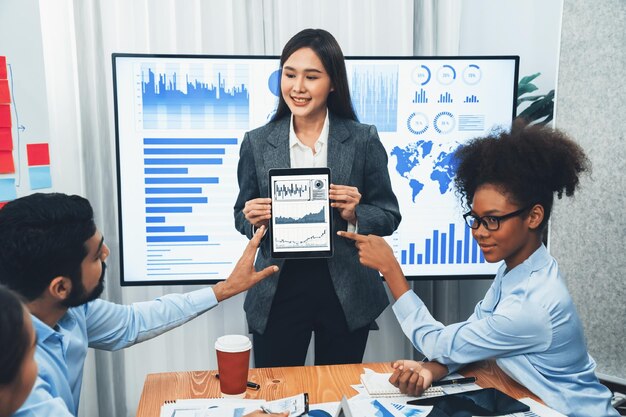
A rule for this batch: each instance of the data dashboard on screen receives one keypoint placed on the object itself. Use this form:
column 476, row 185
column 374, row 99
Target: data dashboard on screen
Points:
column 180, row 120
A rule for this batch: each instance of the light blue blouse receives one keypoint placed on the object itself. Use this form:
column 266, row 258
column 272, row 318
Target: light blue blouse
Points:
column 529, row 324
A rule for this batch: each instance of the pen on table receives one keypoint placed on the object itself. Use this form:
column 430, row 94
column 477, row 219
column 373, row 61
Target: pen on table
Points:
column 468, row 380
column 249, row 384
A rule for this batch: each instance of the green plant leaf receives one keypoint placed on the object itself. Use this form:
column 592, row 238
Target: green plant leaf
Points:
column 529, row 98
column 525, row 88
column 543, row 108
column 527, row 79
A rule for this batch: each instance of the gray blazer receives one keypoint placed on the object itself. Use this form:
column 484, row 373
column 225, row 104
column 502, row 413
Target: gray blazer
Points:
column 357, row 158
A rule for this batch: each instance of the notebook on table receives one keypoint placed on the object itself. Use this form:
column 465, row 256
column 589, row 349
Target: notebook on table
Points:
column 378, row 385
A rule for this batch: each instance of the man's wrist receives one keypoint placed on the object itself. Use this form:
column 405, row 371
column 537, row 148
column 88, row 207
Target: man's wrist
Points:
column 436, row 369
column 221, row 291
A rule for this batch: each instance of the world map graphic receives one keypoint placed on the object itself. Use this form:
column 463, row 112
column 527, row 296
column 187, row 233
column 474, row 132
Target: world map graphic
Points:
column 424, row 162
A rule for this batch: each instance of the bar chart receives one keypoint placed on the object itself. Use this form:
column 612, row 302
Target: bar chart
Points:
column 292, row 190
column 420, row 97
column 445, row 98
column 444, row 248
column 181, row 176
column 195, row 97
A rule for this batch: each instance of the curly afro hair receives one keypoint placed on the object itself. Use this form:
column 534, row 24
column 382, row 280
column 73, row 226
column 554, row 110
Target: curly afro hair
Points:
column 529, row 164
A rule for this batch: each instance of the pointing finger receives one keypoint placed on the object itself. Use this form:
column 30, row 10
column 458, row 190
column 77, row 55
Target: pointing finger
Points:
column 352, row 236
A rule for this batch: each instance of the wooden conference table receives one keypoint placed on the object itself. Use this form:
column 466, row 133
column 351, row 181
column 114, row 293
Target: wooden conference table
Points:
column 322, row 383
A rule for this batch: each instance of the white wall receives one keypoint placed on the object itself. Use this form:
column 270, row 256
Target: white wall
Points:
column 530, row 29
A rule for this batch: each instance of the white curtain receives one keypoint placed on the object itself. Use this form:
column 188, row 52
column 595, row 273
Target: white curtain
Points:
column 79, row 37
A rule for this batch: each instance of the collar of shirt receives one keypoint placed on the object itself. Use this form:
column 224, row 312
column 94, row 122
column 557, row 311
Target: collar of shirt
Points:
column 538, row 260
column 44, row 331
column 301, row 155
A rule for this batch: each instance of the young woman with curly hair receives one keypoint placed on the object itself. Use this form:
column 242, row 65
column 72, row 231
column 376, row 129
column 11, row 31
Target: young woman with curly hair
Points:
column 527, row 320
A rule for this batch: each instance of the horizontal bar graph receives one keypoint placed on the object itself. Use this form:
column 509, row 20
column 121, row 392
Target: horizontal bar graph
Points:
column 165, row 229
column 170, row 260
column 176, row 200
column 183, row 161
column 472, row 122
column 159, row 219
column 190, row 141
column 172, row 245
column 165, row 170
column 180, row 176
column 188, row 263
column 442, row 248
column 178, row 190
column 168, row 209
column 181, row 238
column 178, row 274
column 184, row 151
column 185, row 180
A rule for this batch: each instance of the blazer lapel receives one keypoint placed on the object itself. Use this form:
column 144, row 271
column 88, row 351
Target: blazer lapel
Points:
column 340, row 151
column 277, row 153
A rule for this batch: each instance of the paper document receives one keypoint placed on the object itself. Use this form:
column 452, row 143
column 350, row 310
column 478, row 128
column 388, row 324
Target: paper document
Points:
column 385, row 407
column 227, row 407
column 377, row 385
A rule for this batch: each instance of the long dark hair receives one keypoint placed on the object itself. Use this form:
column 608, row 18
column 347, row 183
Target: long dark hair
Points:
column 14, row 337
column 329, row 52
column 530, row 164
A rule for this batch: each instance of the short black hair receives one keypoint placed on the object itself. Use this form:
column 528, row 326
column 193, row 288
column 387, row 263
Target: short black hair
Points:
column 43, row 236
column 14, row 336
column 529, row 164
column 329, row 52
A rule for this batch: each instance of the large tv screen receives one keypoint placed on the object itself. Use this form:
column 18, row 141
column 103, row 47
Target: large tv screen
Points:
column 180, row 120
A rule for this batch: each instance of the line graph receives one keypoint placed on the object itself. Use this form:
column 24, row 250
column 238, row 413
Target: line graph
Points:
column 301, row 237
column 299, row 214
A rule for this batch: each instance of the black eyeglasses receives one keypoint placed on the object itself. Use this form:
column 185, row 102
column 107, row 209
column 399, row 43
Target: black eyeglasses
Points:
column 491, row 223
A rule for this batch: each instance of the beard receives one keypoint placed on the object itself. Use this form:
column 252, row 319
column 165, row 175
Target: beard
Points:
column 79, row 296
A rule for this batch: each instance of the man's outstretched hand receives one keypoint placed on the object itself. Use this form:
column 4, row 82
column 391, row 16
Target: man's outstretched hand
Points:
column 244, row 275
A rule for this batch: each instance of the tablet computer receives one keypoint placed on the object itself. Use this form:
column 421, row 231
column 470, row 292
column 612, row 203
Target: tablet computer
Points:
column 482, row 402
column 301, row 221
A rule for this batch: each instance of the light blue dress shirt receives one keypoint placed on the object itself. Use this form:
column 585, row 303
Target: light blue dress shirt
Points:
column 529, row 324
column 99, row 324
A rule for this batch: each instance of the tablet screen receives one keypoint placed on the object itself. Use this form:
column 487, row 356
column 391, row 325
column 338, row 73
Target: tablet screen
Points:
column 300, row 226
